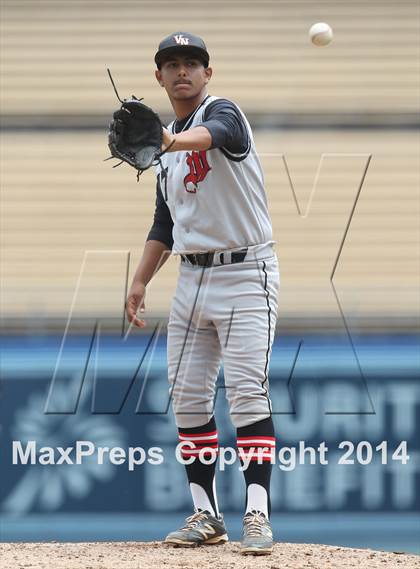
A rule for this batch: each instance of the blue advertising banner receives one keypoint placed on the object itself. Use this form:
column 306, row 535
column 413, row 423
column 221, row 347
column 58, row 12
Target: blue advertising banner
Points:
column 89, row 429
column 89, row 441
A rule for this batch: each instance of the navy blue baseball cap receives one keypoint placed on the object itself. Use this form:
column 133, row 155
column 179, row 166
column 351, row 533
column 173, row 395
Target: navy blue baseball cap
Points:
column 181, row 43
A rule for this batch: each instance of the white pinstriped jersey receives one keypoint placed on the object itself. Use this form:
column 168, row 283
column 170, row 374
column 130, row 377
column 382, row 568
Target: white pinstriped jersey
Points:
column 216, row 199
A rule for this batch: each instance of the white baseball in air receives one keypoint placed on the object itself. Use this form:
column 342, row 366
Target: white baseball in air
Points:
column 321, row 34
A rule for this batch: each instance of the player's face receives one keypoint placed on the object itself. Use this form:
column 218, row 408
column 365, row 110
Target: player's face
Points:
column 183, row 77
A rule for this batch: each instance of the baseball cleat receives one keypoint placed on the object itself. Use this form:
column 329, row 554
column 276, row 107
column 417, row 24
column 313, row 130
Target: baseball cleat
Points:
column 200, row 529
column 257, row 537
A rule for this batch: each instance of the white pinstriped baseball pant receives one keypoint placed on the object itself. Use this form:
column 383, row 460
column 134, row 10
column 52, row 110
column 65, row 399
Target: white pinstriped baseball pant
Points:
column 224, row 313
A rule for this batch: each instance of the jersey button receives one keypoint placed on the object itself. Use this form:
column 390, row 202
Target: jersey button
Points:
column 181, row 202
column 187, row 230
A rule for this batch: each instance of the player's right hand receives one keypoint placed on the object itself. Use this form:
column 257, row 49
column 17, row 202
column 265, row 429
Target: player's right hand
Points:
column 135, row 304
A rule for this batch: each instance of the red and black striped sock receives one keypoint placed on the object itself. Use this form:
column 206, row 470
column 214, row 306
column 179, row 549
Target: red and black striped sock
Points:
column 256, row 444
column 201, row 476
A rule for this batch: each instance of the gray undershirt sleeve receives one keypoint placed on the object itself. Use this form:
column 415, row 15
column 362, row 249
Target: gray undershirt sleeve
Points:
column 226, row 125
column 161, row 229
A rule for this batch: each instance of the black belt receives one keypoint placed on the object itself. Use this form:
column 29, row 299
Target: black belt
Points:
column 212, row 258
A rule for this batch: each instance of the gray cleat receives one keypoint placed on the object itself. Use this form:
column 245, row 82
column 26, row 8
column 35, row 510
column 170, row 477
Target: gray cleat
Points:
column 257, row 537
column 200, row 529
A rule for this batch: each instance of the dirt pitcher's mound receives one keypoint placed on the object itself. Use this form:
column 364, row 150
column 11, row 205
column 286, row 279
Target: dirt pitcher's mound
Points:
column 154, row 555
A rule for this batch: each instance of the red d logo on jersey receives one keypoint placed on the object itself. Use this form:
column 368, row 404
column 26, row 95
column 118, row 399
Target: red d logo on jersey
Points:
column 199, row 168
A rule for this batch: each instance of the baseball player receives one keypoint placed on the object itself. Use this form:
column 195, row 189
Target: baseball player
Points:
column 211, row 210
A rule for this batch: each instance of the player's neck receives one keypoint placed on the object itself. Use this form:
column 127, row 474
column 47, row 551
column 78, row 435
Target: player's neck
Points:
column 183, row 108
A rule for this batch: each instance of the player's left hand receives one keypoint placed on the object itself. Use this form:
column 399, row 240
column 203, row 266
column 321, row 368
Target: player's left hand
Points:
column 135, row 135
column 167, row 139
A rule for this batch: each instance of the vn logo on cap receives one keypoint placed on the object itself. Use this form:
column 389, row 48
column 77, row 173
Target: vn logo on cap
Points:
column 181, row 40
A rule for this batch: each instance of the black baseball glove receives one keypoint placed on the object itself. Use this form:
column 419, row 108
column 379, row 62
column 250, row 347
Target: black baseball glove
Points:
column 135, row 135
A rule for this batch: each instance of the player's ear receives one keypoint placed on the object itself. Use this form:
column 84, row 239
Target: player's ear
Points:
column 158, row 76
column 208, row 72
